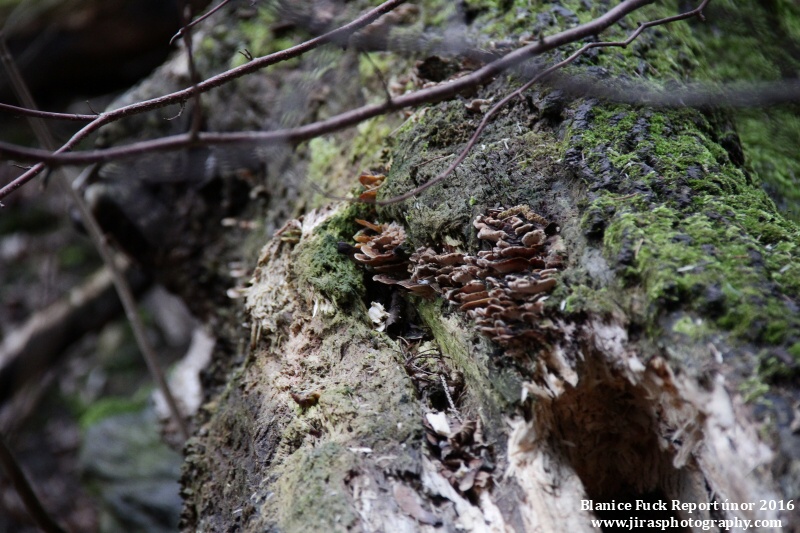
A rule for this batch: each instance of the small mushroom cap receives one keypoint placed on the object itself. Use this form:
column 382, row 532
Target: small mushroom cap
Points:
column 530, row 286
column 371, row 180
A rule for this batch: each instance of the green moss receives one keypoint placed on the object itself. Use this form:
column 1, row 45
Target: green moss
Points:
column 32, row 220
column 324, row 152
column 505, row 166
column 770, row 139
column 758, row 44
column 572, row 298
column 770, row 369
column 670, row 182
column 437, row 13
column 749, row 41
column 753, row 389
column 366, row 401
column 693, row 328
column 320, row 264
column 336, row 162
column 111, row 406
column 531, row 19
column 693, row 232
column 258, row 36
column 315, row 493
column 794, row 351
column 372, row 69
column 369, row 147
column 74, row 255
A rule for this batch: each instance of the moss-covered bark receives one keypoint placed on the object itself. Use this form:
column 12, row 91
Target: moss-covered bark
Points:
column 673, row 345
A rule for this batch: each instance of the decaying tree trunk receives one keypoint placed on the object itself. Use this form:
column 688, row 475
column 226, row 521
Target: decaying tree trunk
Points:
column 661, row 366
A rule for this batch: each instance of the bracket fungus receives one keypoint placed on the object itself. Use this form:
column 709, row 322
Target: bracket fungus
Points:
column 379, row 247
column 503, row 289
column 371, row 183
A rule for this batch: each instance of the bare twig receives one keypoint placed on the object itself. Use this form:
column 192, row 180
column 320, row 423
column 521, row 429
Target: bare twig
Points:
column 26, row 493
column 197, row 110
column 771, row 93
column 449, row 398
column 96, row 233
column 546, row 72
column 89, row 105
column 302, row 133
column 36, row 345
column 338, row 35
column 12, row 109
column 380, row 76
column 185, row 30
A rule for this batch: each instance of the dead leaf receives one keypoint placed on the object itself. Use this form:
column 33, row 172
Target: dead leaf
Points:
column 409, row 502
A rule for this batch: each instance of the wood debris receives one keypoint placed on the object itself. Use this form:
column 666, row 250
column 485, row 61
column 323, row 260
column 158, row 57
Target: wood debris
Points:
column 466, row 459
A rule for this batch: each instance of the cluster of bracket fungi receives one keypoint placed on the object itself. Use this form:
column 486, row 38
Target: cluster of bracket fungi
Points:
column 503, row 288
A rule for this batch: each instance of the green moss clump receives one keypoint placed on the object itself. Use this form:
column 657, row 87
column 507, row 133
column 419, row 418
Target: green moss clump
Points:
column 319, row 263
column 694, row 231
column 335, row 162
column 580, row 298
column 324, row 153
column 32, row 220
column 738, row 42
column 794, row 351
column 759, row 44
column 770, row 138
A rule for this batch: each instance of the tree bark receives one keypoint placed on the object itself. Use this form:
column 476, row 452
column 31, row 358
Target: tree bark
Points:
column 662, row 367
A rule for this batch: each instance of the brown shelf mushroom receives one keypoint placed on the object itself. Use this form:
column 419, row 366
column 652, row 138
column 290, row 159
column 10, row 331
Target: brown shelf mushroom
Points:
column 503, row 288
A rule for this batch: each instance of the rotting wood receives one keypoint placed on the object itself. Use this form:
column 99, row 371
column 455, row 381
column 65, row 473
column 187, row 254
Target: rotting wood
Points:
column 640, row 395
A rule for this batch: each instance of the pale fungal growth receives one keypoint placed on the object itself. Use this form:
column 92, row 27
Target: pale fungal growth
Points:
column 377, row 313
column 502, row 289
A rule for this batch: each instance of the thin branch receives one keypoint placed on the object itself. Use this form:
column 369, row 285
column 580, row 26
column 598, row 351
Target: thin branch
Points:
column 339, row 35
column 309, row 131
column 98, row 239
column 14, row 110
column 37, row 344
column 26, row 493
column 735, row 95
column 185, row 30
column 768, row 93
column 380, row 76
column 197, row 110
column 543, row 74
column 89, row 105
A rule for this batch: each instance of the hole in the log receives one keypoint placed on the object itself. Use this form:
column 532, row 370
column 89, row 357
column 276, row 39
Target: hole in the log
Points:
column 609, row 433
